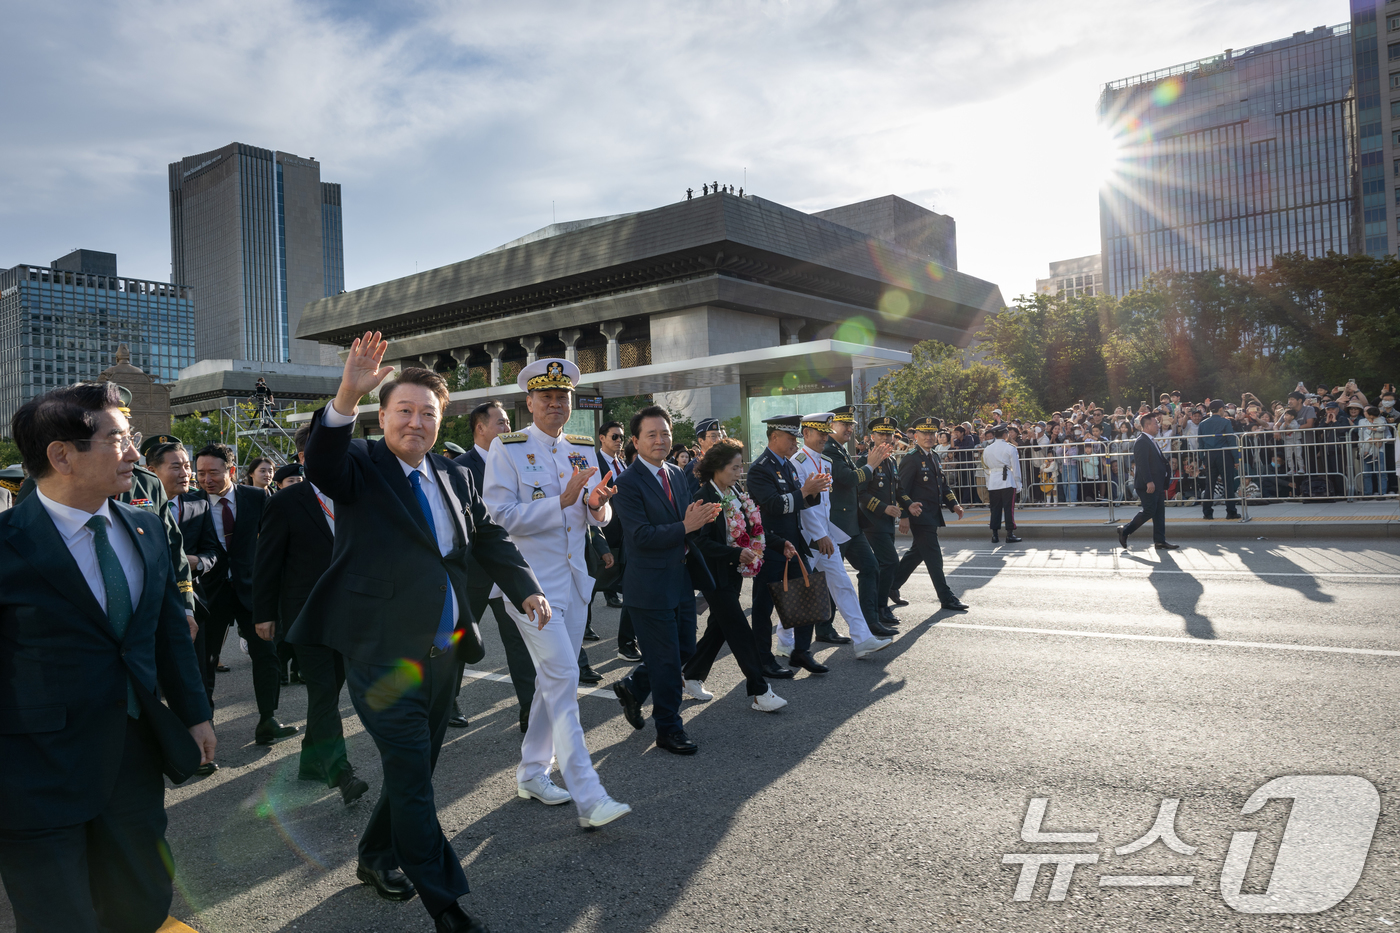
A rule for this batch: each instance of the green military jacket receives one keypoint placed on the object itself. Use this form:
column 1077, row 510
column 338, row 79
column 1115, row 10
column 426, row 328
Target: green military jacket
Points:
column 847, row 477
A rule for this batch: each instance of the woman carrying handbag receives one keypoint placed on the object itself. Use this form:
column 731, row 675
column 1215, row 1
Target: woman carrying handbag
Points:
column 732, row 545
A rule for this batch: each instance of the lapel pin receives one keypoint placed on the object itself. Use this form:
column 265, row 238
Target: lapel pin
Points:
column 140, row 531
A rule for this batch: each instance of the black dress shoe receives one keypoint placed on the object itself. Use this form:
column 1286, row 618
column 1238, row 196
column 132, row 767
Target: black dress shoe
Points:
column 455, row 920
column 677, row 743
column 832, row 637
column 1233, row 518
column 392, row 884
column 881, row 631
column 776, row 671
column 629, row 652
column 996, row 539
column 270, row 730
column 524, row 721
column 221, row 668
column 590, row 635
column 587, row 675
column 804, row 660
column 458, row 720
column 956, row 605
column 1123, row 536
column 206, row 769
column 888, row 618
column 631, row 709
column 614, row 602
column 896, row 600
column 1013, row 539
column 1164, row 546
column 351, row 787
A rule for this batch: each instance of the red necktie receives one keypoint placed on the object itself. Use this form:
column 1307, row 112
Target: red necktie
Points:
column 666, row 485
column 228, row 524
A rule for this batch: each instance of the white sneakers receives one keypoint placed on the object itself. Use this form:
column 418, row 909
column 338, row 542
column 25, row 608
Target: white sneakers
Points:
column 695, row 689
column 871, row 645
column 769, row 702
column 544, row 790
column 602, row 813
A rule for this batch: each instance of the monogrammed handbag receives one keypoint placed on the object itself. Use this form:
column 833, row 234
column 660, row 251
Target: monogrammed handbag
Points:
column 801, row 603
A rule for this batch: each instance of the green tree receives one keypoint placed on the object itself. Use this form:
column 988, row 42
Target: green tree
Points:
column 199, row 429
column 1054, row 346
column 9, row 452
column 936, row 382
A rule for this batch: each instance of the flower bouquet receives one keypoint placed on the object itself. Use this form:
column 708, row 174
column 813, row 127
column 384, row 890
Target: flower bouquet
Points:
column 745, row 527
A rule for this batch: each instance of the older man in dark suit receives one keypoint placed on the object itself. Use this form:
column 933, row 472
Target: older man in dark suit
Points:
column 94, row 628
column 1151, row 476
column 393, row 602
column 654, row 502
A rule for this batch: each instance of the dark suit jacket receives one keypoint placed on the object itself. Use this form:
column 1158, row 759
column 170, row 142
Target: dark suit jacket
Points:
column 229, row 584
column 480, row 579
column 201, row 542
column 63, row 671
column 612, row 531
column 657, row 574
column 294, row 549
column 1149, row 466
column 380, row 599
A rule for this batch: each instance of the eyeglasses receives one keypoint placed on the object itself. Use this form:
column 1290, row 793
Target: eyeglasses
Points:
column 120, row 441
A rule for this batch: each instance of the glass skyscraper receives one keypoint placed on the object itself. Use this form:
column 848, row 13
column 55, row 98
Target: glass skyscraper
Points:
column 1229, row 161
column 258, row 235
column 62, row 323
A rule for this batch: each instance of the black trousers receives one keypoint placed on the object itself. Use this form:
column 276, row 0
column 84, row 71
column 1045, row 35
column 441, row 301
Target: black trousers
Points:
column 323, row 755
column 267, row 687
column 666, row 638
column 406, row 715
column 1003, row 502
column 772, row 572
column 1154, row 509
column 727, row 625
column 887, row 556
column 1219, row 465
column 518, row 662
column 108, row 875
column 858, row 554
column 926, row 551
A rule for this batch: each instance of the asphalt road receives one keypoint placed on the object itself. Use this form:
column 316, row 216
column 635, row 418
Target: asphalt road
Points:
column 886, row 795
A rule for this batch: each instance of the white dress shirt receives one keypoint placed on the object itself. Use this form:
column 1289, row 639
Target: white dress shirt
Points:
column 443, row 526
column 218, row 512
column 327, row 507
column 481, row 452
column 72, row 527
column 611, row 464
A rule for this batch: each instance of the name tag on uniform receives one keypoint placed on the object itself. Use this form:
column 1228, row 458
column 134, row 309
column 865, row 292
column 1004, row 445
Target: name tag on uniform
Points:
column 530, row 466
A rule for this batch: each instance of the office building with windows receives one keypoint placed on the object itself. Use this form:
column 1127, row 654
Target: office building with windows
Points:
column 1229, row 161
column 1073, row 278
column 258, row 235
column 718, row 306
column 62, row 323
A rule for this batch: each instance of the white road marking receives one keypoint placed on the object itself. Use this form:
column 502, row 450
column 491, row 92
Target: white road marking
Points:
column 1218, row 643
column 505, row 679
column 1144, row 571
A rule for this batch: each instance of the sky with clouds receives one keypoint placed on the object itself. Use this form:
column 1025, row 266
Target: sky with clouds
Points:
column 454, row 127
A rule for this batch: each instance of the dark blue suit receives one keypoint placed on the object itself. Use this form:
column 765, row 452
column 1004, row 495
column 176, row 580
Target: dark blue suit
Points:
column 657, row 587
column 82, row 799
column 379, row 604
column 1150, row 466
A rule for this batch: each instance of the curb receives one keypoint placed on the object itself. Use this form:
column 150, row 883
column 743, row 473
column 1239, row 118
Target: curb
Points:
column 171, row 925
column 1188, row 529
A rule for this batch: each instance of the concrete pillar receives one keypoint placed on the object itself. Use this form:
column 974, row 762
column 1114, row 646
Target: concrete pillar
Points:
column 460, row 355
column 443, row 362
column 496, row 349
column 612, row 330
column 531, row 343
column 680, row 336
column 792, row 327
column 571, row 336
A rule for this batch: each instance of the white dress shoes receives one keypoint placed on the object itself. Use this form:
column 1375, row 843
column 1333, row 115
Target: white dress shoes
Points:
column 602, row 813
column 871, row 645
column 768, row 702
column 544, row 790
column 695, row 689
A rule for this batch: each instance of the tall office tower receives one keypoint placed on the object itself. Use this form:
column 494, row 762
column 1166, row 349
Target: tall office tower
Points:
column 1229, row 161
column 62, row 323
column 258, row 236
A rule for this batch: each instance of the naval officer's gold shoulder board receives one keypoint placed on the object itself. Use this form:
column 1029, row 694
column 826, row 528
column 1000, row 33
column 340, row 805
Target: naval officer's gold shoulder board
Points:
column 516, row 437
column 579, row 440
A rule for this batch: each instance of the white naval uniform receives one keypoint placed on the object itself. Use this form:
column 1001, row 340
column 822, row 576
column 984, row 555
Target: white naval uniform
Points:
column 816, row 524
column 526, row 472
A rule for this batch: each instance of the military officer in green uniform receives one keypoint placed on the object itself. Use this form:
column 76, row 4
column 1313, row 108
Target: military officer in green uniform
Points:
column 880, row 503
column 921, row 479
column 847, row 478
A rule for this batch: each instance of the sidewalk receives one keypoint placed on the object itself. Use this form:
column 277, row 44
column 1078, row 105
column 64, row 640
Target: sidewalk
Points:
column 1361, row 519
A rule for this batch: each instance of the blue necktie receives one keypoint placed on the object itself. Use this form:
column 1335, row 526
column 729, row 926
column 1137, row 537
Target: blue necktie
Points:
column 118, row 596
column 443, row 638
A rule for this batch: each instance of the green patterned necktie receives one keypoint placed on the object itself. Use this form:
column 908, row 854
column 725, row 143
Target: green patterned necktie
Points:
column 118, row 596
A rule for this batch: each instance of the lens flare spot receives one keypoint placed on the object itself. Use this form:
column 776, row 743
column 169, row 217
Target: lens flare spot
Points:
column 1168, row 91
column 857, row 330
column 894, row 303
column 935, row 272
column 404, row 677
column 791, row 381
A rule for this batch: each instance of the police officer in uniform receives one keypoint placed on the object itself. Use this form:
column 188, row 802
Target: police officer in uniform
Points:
column 847, row 477
column 1216, row 435
column 708, row 433
column 11, row 478
column 543, row 487
column 880, row 504
column 921, row 478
